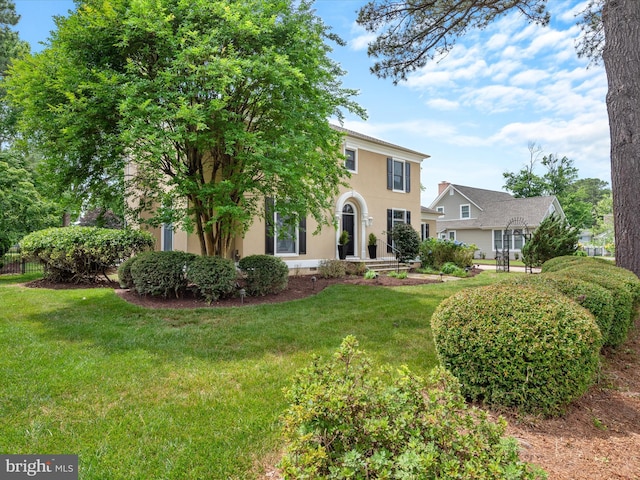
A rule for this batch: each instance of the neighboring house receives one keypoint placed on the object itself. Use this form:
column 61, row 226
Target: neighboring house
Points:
column 487, row 218
column 428, row 219
column 384, row 190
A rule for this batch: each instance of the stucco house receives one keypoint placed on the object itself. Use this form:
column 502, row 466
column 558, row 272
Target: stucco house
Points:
column 383, row 190
column 487, row 218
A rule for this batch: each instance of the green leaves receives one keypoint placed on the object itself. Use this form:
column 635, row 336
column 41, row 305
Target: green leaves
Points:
column 345, row 422
column 216, row 104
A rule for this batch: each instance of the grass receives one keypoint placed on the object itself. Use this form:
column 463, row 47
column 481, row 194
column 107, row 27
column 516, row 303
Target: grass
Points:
column 182, row 394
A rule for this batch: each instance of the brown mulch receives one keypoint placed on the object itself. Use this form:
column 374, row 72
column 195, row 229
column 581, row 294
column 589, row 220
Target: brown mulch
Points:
column 597, row 439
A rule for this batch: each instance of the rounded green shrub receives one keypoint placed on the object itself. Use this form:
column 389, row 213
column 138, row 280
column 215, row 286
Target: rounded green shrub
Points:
column 518, row 347
column 407, row 241
column 332, row 269
column 82, row 253
column 598, row 300
column 159, row 273
column 343, row 421
column 566, row 261
column 212, row 277
column 124, row 271
column 264, row 274
column 623, row 299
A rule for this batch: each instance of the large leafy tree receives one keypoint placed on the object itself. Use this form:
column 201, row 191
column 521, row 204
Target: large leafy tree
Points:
column 210, row 105
column 412, row 32
column 11, row 47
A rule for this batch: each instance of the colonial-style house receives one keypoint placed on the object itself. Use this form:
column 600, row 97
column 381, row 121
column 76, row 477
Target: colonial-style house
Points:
column 489, row 218
column 383, row 190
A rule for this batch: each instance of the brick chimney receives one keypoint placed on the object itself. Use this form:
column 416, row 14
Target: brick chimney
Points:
column 442, row 186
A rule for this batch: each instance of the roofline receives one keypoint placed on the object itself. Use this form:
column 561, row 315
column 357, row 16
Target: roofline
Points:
column 451, row 185
column 362, row 136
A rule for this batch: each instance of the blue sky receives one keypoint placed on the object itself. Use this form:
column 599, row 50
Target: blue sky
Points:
column 474, row 111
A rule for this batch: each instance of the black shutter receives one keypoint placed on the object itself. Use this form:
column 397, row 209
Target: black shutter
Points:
column 389, row 227
column 302, row 237
column 407, row 177
column 389, row 173
column 268, row 226
column 408, row 217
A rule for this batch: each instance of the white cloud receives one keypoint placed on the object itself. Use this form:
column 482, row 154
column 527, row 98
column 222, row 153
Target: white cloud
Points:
column 361, row 38
column 443, row 104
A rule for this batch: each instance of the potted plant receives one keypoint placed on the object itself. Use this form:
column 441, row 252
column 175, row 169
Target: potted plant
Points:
column 372, row 246
column 342, row 242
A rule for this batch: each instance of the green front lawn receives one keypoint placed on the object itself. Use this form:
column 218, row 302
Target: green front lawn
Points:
column 182, row 394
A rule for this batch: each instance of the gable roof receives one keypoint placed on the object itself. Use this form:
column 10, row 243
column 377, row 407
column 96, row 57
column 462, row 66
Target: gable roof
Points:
column 497, row 209
column 477, row 196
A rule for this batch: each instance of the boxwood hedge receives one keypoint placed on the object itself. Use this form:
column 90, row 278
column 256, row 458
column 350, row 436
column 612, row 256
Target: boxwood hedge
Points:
column 598, row 300
column 160, row 273
column 623, row 299
column 525, row 348
column 264, row 274
column 212, row 277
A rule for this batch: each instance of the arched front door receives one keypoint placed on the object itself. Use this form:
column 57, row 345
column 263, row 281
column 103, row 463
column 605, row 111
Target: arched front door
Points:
column 348, row 225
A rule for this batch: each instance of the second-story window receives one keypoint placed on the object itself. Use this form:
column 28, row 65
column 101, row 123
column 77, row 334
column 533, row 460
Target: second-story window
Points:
column 350, row 161
column 398, row 175
column 465, row 211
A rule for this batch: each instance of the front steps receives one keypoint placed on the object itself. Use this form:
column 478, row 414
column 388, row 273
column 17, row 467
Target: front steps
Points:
column 382, row 265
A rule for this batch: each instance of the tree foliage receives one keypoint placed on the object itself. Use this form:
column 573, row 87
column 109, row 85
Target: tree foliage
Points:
column 554, row 237
column 217, row 104
column 409, row 33
column 22, row 208
column 578, row 197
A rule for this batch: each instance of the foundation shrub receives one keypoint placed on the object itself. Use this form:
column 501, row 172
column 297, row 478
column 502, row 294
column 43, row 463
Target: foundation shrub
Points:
column 344, row 421
column 435, row 253
column 525, row 348
column 79, row 254
column 212, row 277
column 623, row 299
column 332, row 269
column 161, row 273
column 598, row 300
column 264, row 274
column 407, row 242
column 357, row 269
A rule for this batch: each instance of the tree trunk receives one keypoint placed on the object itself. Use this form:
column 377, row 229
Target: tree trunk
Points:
column 621, row 55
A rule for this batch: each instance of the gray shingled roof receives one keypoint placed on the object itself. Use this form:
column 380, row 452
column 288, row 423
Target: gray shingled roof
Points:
column 498, row 208
column 480, row 196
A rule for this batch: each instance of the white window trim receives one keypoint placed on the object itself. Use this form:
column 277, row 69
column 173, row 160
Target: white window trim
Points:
column 404, row 175
column 355, row 157
column 167, row 227
column 440, row 209
column 511, row 240
column 465, row 205
column 275, row 240
column 454, row 235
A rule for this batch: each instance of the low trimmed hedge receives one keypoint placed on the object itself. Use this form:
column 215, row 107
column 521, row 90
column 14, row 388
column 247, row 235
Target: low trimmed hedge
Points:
column 264, row 274
column 75, row 254
column 598, row 300
column 213, row 277
column 623, row 299
column 160, row 273
column 332, row 269
column 525, row 348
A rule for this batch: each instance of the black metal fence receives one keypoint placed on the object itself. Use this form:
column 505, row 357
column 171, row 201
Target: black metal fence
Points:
column 13, row 263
